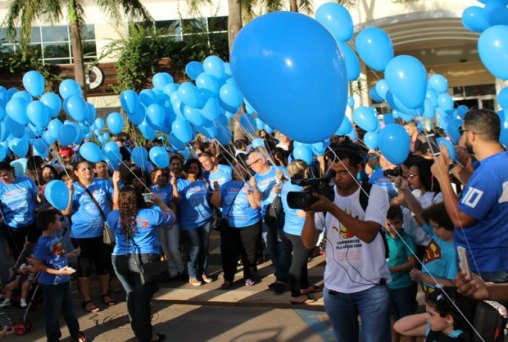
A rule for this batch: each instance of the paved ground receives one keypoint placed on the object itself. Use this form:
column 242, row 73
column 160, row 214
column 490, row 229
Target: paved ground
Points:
column 206, row 313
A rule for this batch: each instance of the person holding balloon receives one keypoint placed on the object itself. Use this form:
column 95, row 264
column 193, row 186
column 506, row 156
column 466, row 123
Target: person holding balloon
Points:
column 90, row 200
column 18, row 198
column 195, row 219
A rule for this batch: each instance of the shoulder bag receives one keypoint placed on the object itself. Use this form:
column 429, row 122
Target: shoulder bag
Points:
column 107, row 235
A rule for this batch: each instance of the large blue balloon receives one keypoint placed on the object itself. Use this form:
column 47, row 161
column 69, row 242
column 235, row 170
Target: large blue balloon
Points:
column 231, row 95
column 155, row 113
column 38, row 114
column 300, row 91
column 34, row 83
column 214, row 66
column 189, row 95
column 76, row 107
column 53, row 102
column 474, row 19
column 159, row 157
column 129, row 101
column 366, row 118
column 394, row 143
column 407, row 79
column 352, row 62
column 115, row 122
column 493, row 50
column 68, row 88
column 438, row 83
column 91, row 152
column 336, row 19
column 374, row 47
column 16, row 110
column 182, row 130
column 139, row 157
column 57, row 194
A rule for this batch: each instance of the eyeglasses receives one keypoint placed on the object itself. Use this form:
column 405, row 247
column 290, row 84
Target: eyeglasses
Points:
column 254, row 162
column 411, row 176
column 462, row 130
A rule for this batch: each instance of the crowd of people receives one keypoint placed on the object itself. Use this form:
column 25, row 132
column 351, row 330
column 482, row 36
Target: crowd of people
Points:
column 384, row 229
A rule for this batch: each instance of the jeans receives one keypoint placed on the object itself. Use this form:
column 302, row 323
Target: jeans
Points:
column 495, row 277
column 198, row 240
column 58, row 300
column 169, row 237
column 280, row 252
column 138, row 296
column 373, row 307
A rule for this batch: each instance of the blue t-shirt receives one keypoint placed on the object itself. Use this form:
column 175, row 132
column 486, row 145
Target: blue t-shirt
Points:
column 17, row 202
column 223, row 174
column 399, row 252
column 50, row 250
column 146, row 238
column 165, row 193
column 265, row 183
column 293, row 224
column 236, row 207
column 194, row 204
column 87, row 221
column 440, row 259
column 485, row 197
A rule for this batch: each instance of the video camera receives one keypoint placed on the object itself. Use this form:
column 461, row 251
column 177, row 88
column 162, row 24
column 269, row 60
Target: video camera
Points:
column 304, row 199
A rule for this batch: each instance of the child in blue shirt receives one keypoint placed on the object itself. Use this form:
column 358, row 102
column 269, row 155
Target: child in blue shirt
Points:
column 51, row 260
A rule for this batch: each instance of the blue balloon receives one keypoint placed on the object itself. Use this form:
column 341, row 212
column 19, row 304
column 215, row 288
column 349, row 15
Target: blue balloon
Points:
column 374, row 96
column 502, row 98
column 182, row 130
column 374, row 47
column 68, row 88
column 268, row 129
column 15, row 129
column 194, row 116
column 382, row 88
column 38, row 114
column 53, row 102
column 16, row 110
column 76, row 107
column 156, row 115
column 318, row 149
column 211, row 109
column 407, row 79
column 138, row 116
column 129, row 101
column 34, row 83
column 388, row 119
column 336, row 19
column 496, row 13
column 208, row 84
column 345, row 127
column 394, row 143
column 23, row 95
column 288, row 84
column 258, row 142
column 3, row 152
column 350, row 101
column 428, row 110
column 175, row 142
column 19, row 146
column 57, row 194
column 66, row 135
column 146, row 130
column 231, row 95
column 54, row 128
column 493, row 50
column 40, row 148
column 161, row 79
column 303, row 152
column 193, row 69
column 214, row 66
column 115, row 122
column 170, row 89
column 223, row 135
column 370, row 140
column 366, row 118
column 439, row 83
column 99, row 123
column 159, row 157
column 453, row 130
column 112, row 152
column 146, row 97
column 47, row 138
column 189, row 94
column 449, row 147
column 445, row 101
column 91, row 152
column 139, row 156
column 352, row 62
column 463, row 109
column 475, row 19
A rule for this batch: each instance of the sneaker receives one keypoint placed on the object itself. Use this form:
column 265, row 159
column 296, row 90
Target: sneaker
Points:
column 5, row 303
column 194, row 282
column 206, row 279
column 250, row 282
column 23, row 303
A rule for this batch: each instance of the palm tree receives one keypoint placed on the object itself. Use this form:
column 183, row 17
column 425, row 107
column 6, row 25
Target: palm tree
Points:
column 24, row 13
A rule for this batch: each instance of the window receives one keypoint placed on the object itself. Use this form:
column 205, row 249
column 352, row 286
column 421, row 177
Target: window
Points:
column 54, row 43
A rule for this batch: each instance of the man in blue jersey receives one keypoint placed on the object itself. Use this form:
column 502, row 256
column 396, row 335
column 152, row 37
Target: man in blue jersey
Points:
column 479, row 215
column 268, row 181
column 215, row 172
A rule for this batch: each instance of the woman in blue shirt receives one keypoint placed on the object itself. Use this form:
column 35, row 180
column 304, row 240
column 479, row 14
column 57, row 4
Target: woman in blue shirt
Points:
column 18, row 197
column 135, row 229
column 195, row 218
column 87, row 194
column 293, row 225
column 241, row 203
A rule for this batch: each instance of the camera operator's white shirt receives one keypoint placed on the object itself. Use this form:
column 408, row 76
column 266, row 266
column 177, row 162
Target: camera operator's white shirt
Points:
column 351, row 264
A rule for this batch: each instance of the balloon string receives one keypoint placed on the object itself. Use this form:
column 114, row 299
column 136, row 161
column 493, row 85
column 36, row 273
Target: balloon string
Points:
column 336, row 158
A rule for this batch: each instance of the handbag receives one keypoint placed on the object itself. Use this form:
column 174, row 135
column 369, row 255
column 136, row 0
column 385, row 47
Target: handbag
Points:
column 108, row 237
column 150, row 266
column 221, row 223
column 274, row 215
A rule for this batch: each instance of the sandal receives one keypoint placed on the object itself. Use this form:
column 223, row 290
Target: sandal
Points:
column 160, row 337
column 310, row 289
column 106, row 299
column 89, row 307
column 81, row 337
column 307, row 300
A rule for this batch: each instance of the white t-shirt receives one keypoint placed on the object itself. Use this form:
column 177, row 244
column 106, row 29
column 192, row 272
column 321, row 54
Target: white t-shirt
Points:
column 351, row 264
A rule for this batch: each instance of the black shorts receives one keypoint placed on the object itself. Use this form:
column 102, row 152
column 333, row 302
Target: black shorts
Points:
column 93, row 252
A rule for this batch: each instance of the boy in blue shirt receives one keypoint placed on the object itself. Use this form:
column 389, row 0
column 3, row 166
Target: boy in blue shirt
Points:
column 51, row 260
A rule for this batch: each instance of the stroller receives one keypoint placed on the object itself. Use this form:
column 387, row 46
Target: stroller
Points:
column 23, row 325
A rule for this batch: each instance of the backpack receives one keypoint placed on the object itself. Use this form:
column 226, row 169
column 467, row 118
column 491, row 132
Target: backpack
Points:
column 489, row 321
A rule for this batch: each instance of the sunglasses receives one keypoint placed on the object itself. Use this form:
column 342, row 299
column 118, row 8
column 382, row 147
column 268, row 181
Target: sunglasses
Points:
column 462, row 130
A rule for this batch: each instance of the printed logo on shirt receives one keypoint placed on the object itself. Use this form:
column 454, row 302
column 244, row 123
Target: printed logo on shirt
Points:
column 142, row 223
column 472, row 197
column 345, row 233
column 432, row 252
column 57, row 249
column 504, row 195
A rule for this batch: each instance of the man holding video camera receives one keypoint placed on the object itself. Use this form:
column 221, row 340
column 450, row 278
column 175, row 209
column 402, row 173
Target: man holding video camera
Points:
column 356, row 273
